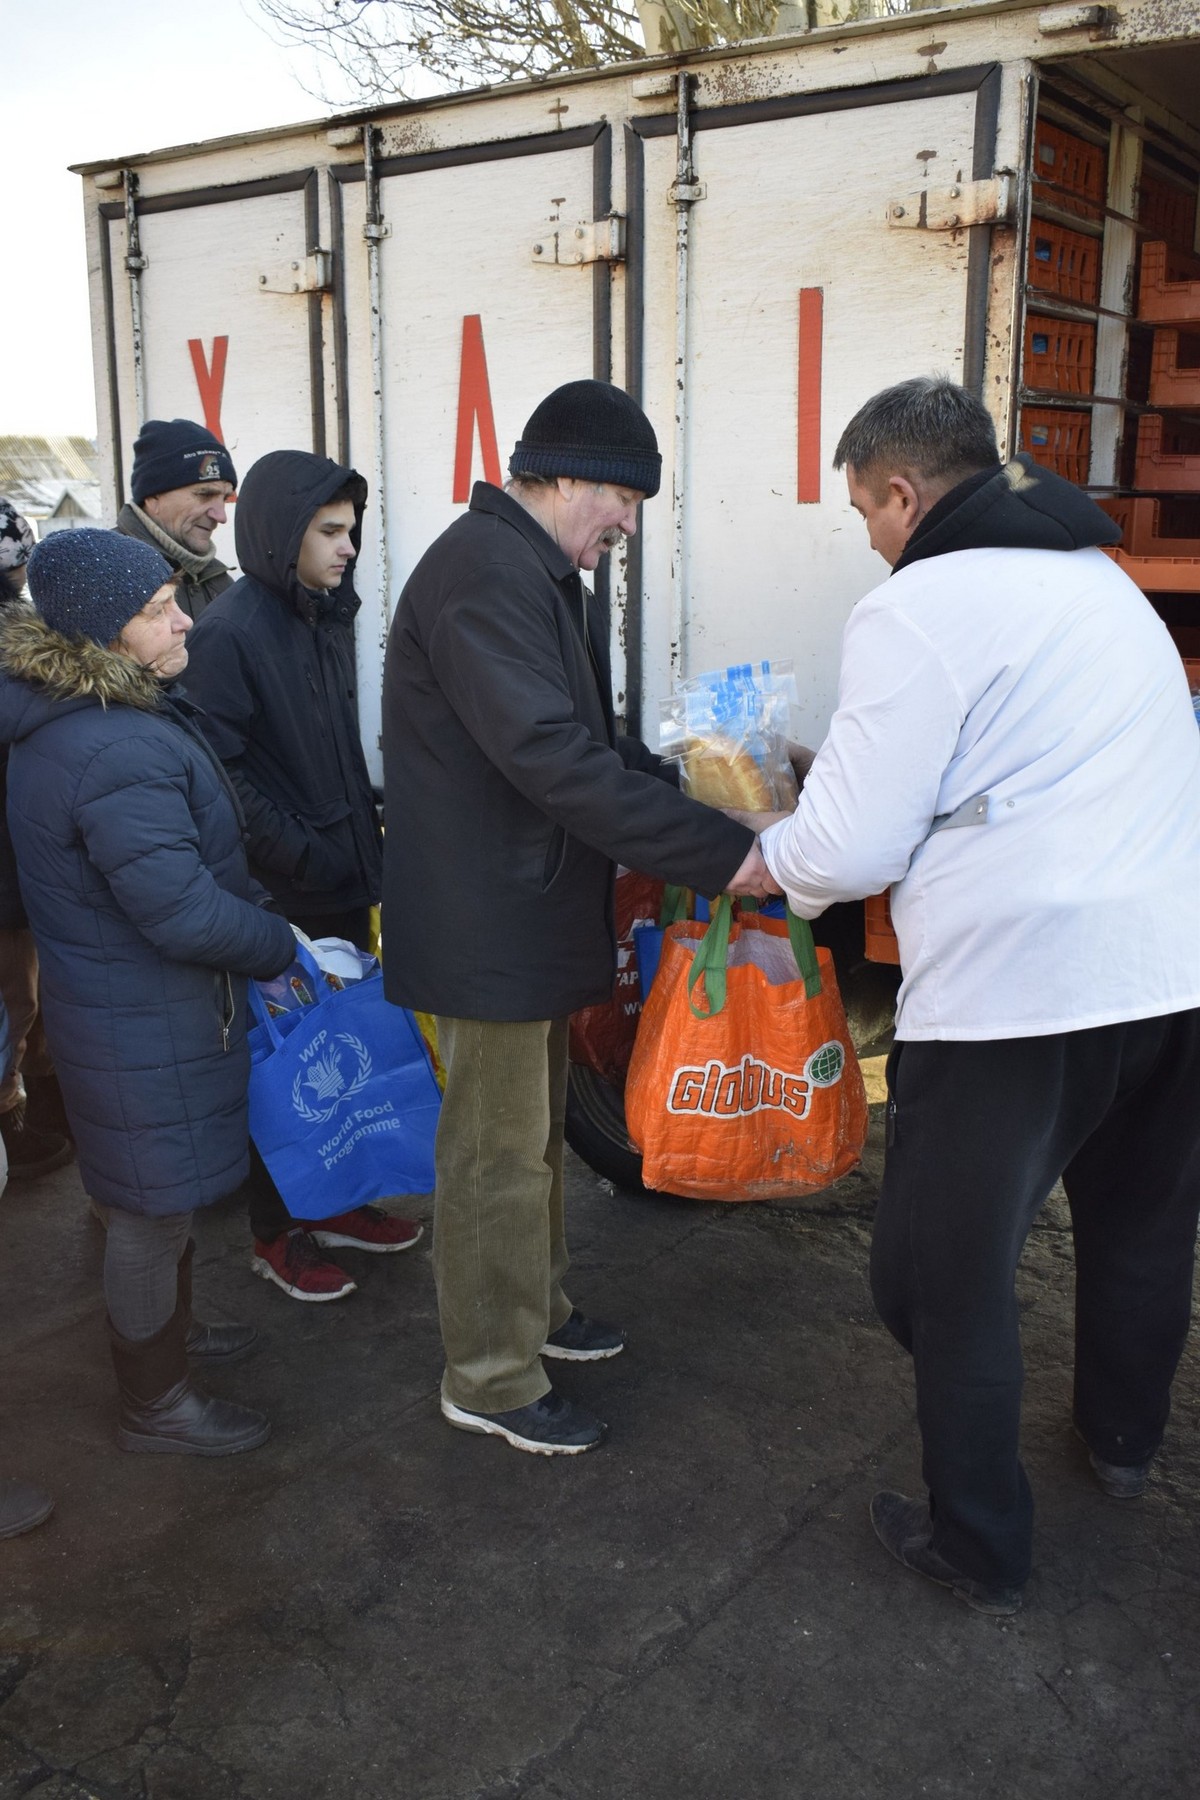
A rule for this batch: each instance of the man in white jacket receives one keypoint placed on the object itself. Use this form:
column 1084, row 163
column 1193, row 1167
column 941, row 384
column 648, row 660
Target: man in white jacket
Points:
column 1014, row 754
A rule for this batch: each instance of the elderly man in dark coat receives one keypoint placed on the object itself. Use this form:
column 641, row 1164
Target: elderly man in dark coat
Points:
column 181, row 480
column 128, row 841
column 510, row 798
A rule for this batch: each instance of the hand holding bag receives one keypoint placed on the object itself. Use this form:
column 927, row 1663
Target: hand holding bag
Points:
column 744, row 1084
column 343, row 1098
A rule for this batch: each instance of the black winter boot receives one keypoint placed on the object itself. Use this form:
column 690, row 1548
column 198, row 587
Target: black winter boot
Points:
column 162, row 1411
column 209, row 1343
column 22, row 1506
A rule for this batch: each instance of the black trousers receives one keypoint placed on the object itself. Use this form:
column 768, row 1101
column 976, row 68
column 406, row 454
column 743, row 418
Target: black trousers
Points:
column 978, row 1134
column 269, row 1217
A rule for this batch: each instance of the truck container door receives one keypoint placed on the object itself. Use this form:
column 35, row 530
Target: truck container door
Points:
column 493, row 289
column 224, row 321
column 806, row 294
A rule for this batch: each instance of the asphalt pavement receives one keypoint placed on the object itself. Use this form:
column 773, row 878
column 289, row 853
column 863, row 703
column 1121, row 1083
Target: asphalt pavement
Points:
column 379, row 1607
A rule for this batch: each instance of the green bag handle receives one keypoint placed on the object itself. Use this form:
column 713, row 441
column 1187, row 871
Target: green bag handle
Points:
column 675, row 906
column 805, row 953
column 712, row 958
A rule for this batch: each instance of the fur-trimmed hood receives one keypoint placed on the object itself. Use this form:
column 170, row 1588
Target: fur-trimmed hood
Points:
column 43, row 674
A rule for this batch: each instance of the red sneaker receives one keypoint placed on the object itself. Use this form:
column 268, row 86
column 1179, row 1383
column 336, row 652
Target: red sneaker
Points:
column 367, row 1228
column 294, row 1263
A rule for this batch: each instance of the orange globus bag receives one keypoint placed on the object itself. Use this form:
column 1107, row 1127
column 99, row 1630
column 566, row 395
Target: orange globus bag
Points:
column 744, row 1084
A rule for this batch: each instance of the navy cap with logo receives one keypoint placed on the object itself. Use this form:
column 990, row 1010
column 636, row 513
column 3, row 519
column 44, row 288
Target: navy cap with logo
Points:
column 177, row 453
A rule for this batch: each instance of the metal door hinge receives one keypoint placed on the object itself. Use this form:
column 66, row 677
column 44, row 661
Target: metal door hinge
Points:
column 311, row 274
column 571, row 246
column 991, row 202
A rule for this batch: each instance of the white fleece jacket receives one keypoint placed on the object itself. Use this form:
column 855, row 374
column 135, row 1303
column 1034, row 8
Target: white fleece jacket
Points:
column 1036, row 694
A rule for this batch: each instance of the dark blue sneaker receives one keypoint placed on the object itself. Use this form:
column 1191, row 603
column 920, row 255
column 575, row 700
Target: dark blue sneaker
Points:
column 549, row 1426
column 584, row 1340
column 904, row 1527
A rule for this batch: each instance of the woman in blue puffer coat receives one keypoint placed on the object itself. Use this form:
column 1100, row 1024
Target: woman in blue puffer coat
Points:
column 128, row 842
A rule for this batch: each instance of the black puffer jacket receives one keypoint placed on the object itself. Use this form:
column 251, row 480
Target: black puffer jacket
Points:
column 134, row 877
column 509, row 794
column 272, row 666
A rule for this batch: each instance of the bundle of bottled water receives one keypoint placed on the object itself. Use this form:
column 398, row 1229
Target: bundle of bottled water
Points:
column 729, row 730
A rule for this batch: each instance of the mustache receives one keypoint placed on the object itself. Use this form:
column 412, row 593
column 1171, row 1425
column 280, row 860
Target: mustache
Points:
column 612, row 537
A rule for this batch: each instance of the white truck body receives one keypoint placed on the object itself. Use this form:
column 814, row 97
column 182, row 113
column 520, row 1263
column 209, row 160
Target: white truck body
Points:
column 854, row 209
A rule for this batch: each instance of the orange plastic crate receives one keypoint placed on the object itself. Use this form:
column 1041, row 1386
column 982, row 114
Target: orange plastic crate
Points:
column 1171, row 385
column 1060, row 354
column 881, row 945
column 1068, row 171
column 1160, row 574
column 1167, row 211
column 1064, row 262
column 1061, row 441
column 1169, row 288
column 1168, row 455
column 1138, row 517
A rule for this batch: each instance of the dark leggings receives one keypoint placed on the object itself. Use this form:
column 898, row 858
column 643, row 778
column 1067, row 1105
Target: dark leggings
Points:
column 141, row 1262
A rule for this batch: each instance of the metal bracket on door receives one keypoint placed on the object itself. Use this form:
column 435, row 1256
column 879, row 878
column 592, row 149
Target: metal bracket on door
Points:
column 590, row 241
column 312, row 274
column 991, row 202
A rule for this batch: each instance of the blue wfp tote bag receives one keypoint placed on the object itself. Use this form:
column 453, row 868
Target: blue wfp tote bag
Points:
column 343, row 1098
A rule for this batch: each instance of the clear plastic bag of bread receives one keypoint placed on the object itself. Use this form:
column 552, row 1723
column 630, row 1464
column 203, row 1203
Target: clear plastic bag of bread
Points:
column 729, row 731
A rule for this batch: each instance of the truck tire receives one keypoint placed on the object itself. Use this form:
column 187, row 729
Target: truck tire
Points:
column 595, row 1129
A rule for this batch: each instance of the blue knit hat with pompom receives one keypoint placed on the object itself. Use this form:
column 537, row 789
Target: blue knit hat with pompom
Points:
column 89, row 583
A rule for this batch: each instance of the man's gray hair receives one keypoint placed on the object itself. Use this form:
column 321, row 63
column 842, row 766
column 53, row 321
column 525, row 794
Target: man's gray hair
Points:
column 928, row 428
column 530, row 482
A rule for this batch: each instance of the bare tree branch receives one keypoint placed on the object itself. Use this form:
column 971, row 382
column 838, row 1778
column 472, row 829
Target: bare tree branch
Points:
column 389, row 49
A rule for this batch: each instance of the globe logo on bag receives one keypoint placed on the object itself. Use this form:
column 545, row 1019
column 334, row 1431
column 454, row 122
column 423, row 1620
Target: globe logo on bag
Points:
column 824, row 1067
column 325, row 1077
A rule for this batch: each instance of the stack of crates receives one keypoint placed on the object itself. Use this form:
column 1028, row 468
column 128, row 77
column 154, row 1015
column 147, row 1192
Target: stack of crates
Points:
column 1161, row 520
column 1064, row 267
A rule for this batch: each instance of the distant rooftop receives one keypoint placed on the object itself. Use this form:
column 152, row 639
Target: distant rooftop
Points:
column 47, row 476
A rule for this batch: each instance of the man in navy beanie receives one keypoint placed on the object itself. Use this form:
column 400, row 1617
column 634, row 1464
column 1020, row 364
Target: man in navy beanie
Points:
column 182, row 478
column 510, row 798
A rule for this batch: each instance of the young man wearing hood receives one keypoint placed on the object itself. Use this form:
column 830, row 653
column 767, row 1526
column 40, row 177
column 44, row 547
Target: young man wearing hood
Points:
column 272, row 664
column 1014, row 753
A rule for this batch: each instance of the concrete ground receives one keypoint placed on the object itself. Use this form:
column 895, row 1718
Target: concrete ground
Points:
column 379, row 1607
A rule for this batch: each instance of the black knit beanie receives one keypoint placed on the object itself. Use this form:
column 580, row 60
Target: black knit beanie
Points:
column 177, row 453
column 592, row 430
column 90, row 583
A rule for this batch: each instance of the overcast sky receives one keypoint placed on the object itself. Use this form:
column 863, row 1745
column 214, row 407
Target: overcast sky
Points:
column 84, row 81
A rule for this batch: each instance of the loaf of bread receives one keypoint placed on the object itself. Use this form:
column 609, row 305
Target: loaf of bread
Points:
column 721, row 773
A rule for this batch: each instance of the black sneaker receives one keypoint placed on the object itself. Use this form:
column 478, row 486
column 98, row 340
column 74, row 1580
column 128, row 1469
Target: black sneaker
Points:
column 551, row 1426
column 22, row 1507
column 30, row 1151
column 584, row 1340
column 1122, row 1481
column 904, row 1527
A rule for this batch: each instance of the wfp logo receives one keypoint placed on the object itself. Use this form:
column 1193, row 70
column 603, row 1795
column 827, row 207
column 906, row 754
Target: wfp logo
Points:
column 325, row 1083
